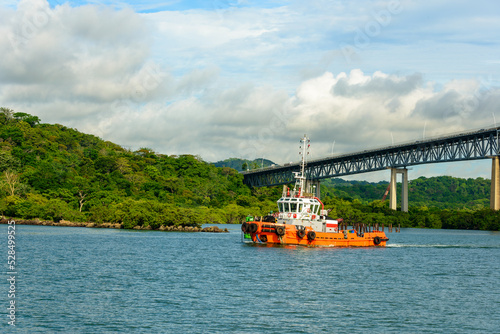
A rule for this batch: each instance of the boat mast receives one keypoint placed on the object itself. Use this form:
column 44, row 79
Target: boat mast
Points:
column 304, row 152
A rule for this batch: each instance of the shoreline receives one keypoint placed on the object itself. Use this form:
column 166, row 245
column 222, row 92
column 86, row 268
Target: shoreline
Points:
column 65, row 223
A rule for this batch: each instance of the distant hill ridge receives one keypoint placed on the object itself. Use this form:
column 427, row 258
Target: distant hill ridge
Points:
column 238, row 164
column 439, row 191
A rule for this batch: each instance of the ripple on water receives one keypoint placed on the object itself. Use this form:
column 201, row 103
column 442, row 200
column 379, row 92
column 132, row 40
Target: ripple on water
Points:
column 97, row 280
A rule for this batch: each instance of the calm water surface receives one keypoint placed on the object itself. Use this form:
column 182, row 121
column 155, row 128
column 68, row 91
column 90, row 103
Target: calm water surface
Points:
column 81, row 280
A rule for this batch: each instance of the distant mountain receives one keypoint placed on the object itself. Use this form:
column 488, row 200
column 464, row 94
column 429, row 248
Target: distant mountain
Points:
column 238, row 164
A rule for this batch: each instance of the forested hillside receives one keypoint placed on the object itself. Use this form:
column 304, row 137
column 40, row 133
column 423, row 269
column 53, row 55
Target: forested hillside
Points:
column 53, row 172
column 443, row 192
column 436, row 202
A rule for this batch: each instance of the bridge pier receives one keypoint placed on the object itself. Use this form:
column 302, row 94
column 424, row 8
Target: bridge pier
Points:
column 393, row 194
column 495, row 184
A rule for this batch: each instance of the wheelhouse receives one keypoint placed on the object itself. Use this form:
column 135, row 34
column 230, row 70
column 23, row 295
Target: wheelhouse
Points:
column 299, row 205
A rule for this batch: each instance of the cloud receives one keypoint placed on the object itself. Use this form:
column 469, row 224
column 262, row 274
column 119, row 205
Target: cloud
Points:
column 83, row 54
column 249, row 80
column 360, row 111
column 380, row 84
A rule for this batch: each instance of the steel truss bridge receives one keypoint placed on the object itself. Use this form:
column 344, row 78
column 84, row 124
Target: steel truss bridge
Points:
column 472, row 145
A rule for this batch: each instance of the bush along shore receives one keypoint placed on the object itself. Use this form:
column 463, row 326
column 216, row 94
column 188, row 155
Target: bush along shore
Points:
column 179, row 228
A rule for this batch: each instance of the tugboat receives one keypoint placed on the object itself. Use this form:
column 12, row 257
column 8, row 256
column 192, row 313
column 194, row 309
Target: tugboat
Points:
column 302, row 220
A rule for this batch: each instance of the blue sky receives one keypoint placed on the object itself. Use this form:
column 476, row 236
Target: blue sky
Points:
column 158, row 6
column 225, row 79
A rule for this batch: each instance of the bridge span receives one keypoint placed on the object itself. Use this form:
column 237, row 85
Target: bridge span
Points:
column 471, row 145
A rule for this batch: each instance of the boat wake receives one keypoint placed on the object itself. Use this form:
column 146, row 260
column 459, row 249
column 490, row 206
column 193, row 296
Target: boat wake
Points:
column 443, row 246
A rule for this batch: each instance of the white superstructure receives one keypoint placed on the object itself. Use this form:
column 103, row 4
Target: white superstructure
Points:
column 299, row 206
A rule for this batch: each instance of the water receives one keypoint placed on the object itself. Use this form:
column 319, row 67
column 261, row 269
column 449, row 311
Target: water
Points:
column 81, row 280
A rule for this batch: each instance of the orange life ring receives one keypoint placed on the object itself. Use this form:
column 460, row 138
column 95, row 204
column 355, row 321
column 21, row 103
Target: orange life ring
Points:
column 289, row 215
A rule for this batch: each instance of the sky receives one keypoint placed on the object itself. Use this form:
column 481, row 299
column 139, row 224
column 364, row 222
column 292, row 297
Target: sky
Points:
column 248, row 79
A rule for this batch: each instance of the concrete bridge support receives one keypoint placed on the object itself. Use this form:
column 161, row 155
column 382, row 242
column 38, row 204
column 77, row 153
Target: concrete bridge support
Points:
column 495, row 184
column 393, row 194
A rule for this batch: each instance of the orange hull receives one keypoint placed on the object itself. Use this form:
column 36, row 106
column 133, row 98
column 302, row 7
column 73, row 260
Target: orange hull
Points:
column 287, row 234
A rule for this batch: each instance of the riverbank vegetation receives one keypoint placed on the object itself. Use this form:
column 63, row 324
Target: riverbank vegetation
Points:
column 52, row 172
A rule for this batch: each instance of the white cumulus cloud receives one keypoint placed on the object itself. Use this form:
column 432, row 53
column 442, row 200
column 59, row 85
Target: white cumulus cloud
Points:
column 247, row 81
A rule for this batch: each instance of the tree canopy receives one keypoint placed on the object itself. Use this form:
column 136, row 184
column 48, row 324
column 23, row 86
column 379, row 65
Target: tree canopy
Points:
column 50, row 171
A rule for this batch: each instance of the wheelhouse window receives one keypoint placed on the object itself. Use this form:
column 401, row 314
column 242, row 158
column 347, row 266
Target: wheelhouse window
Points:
column 284, row 205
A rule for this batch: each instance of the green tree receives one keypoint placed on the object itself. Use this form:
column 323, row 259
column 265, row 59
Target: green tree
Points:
column 30, row 119
column 5, row 115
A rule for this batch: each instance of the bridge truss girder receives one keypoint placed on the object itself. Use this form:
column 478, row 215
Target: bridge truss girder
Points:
column 476, row 145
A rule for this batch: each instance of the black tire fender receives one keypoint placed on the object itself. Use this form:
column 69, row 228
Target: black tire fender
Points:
column 280, row 230
column 252, row 228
